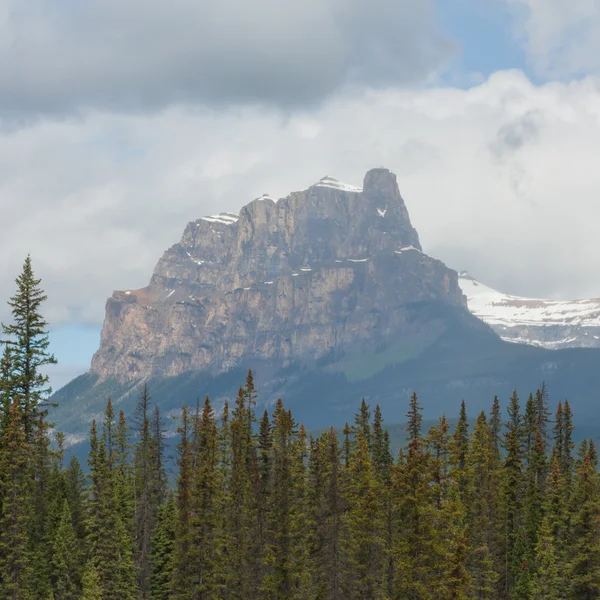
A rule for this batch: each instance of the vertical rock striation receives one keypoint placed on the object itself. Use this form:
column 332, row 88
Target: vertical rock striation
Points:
column 328, row 269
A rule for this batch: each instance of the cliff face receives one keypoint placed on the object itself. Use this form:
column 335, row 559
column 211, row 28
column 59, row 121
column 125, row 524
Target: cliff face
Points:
column 327, row 269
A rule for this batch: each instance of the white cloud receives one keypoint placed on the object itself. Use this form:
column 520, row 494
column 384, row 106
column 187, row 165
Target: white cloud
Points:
column 562, row 37
column 500, row 179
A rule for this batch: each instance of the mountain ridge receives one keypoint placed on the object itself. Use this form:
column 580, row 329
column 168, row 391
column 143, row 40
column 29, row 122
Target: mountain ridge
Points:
column 551, row 324
column 328, row 296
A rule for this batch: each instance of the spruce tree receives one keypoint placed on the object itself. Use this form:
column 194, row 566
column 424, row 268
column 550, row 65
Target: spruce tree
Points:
column 511, row 497
column 547, row 580
column 459, row 451
column 27, row 337
column 146, row 502
column 161, row 551
column 482, row 502
column 205, row 521
column 585, row 539
column 15, row 518
column 64, row 558
column 182, row 580
column 90, row 586
column 363, row 541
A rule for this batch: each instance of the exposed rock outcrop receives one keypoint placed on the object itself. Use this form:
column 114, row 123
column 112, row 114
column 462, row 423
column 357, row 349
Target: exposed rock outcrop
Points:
column 326, row 269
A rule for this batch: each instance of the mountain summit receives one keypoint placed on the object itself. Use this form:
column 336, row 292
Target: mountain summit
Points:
column 324, row 271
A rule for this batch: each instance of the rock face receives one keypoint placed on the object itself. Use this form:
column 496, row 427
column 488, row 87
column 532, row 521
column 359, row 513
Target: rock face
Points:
column 325, row 270
column 552, row 324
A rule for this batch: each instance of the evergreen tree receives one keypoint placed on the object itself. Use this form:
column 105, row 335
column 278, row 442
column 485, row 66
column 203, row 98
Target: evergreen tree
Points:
column 585, row 540
column 183, row 577
column 146, row 500
column 28, row 339
column 15, row 555
column 161, row 551
column 90, row 586
column 364, row 528
column 547, row 579
column 460, row 450
column 482, row 502
column 64, row 559
column 511, row 498
column 205, row 504
column 414, row 551
column 362, row 422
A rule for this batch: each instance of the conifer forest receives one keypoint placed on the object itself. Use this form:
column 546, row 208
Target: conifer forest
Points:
column 244, row 504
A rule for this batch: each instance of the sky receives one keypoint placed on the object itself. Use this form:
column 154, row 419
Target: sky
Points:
column 122, row 121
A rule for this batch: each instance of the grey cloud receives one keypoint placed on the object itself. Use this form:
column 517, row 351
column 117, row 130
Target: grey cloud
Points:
column 513, row 136
column 59, row 57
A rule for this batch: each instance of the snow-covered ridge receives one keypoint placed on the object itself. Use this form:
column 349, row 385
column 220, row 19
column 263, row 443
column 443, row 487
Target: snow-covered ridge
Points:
column 548, row 323
column 223, row 218
column 331, row 182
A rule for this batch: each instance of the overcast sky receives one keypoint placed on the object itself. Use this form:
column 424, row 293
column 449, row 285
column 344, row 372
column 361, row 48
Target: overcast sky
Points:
column 122, row 121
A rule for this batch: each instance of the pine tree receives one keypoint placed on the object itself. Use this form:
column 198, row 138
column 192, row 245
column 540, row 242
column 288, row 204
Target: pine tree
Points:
column 64, row 558
column 327, row 506
column 585, row 539
column 511, row 497
column 205, row 520
column 146, row 502
column 362, row 422
column 182, row 579
column 28, row 339
column 161, row 551
column 15, row 557
column 459, row 451
column 567, row 463
column 278, row 559
column 90, row 586
column 110, row 526
column 414, row 551
column 7, row 385
column 547, row 580
column 364, row 528
column 482, row 502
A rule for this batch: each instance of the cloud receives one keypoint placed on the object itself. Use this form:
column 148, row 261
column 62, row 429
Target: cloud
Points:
column 97, row 200
column 60, row 57
column 562, row 38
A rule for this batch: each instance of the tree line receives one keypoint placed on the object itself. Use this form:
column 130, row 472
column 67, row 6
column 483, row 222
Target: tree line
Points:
column 504, row 507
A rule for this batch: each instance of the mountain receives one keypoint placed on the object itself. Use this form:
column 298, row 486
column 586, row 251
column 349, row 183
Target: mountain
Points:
column 328, row 296
column 325, row 270
column 549, row 324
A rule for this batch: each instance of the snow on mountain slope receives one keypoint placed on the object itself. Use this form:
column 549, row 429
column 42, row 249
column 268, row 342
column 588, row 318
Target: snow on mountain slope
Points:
column 548, row 323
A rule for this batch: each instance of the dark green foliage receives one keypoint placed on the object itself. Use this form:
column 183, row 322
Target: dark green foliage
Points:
column 262, row 512
column 15, row 518
column 27, row 339
column 161, row 551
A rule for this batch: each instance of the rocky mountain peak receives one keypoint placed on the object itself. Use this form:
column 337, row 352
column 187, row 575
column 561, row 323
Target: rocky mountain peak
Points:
column 326, row 269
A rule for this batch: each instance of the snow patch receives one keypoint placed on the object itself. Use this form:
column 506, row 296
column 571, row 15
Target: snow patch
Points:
column 222, row 219
column 331, row 182
column 196, row 260
column 407, row 249
column 506, row 311
column 381, row 212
